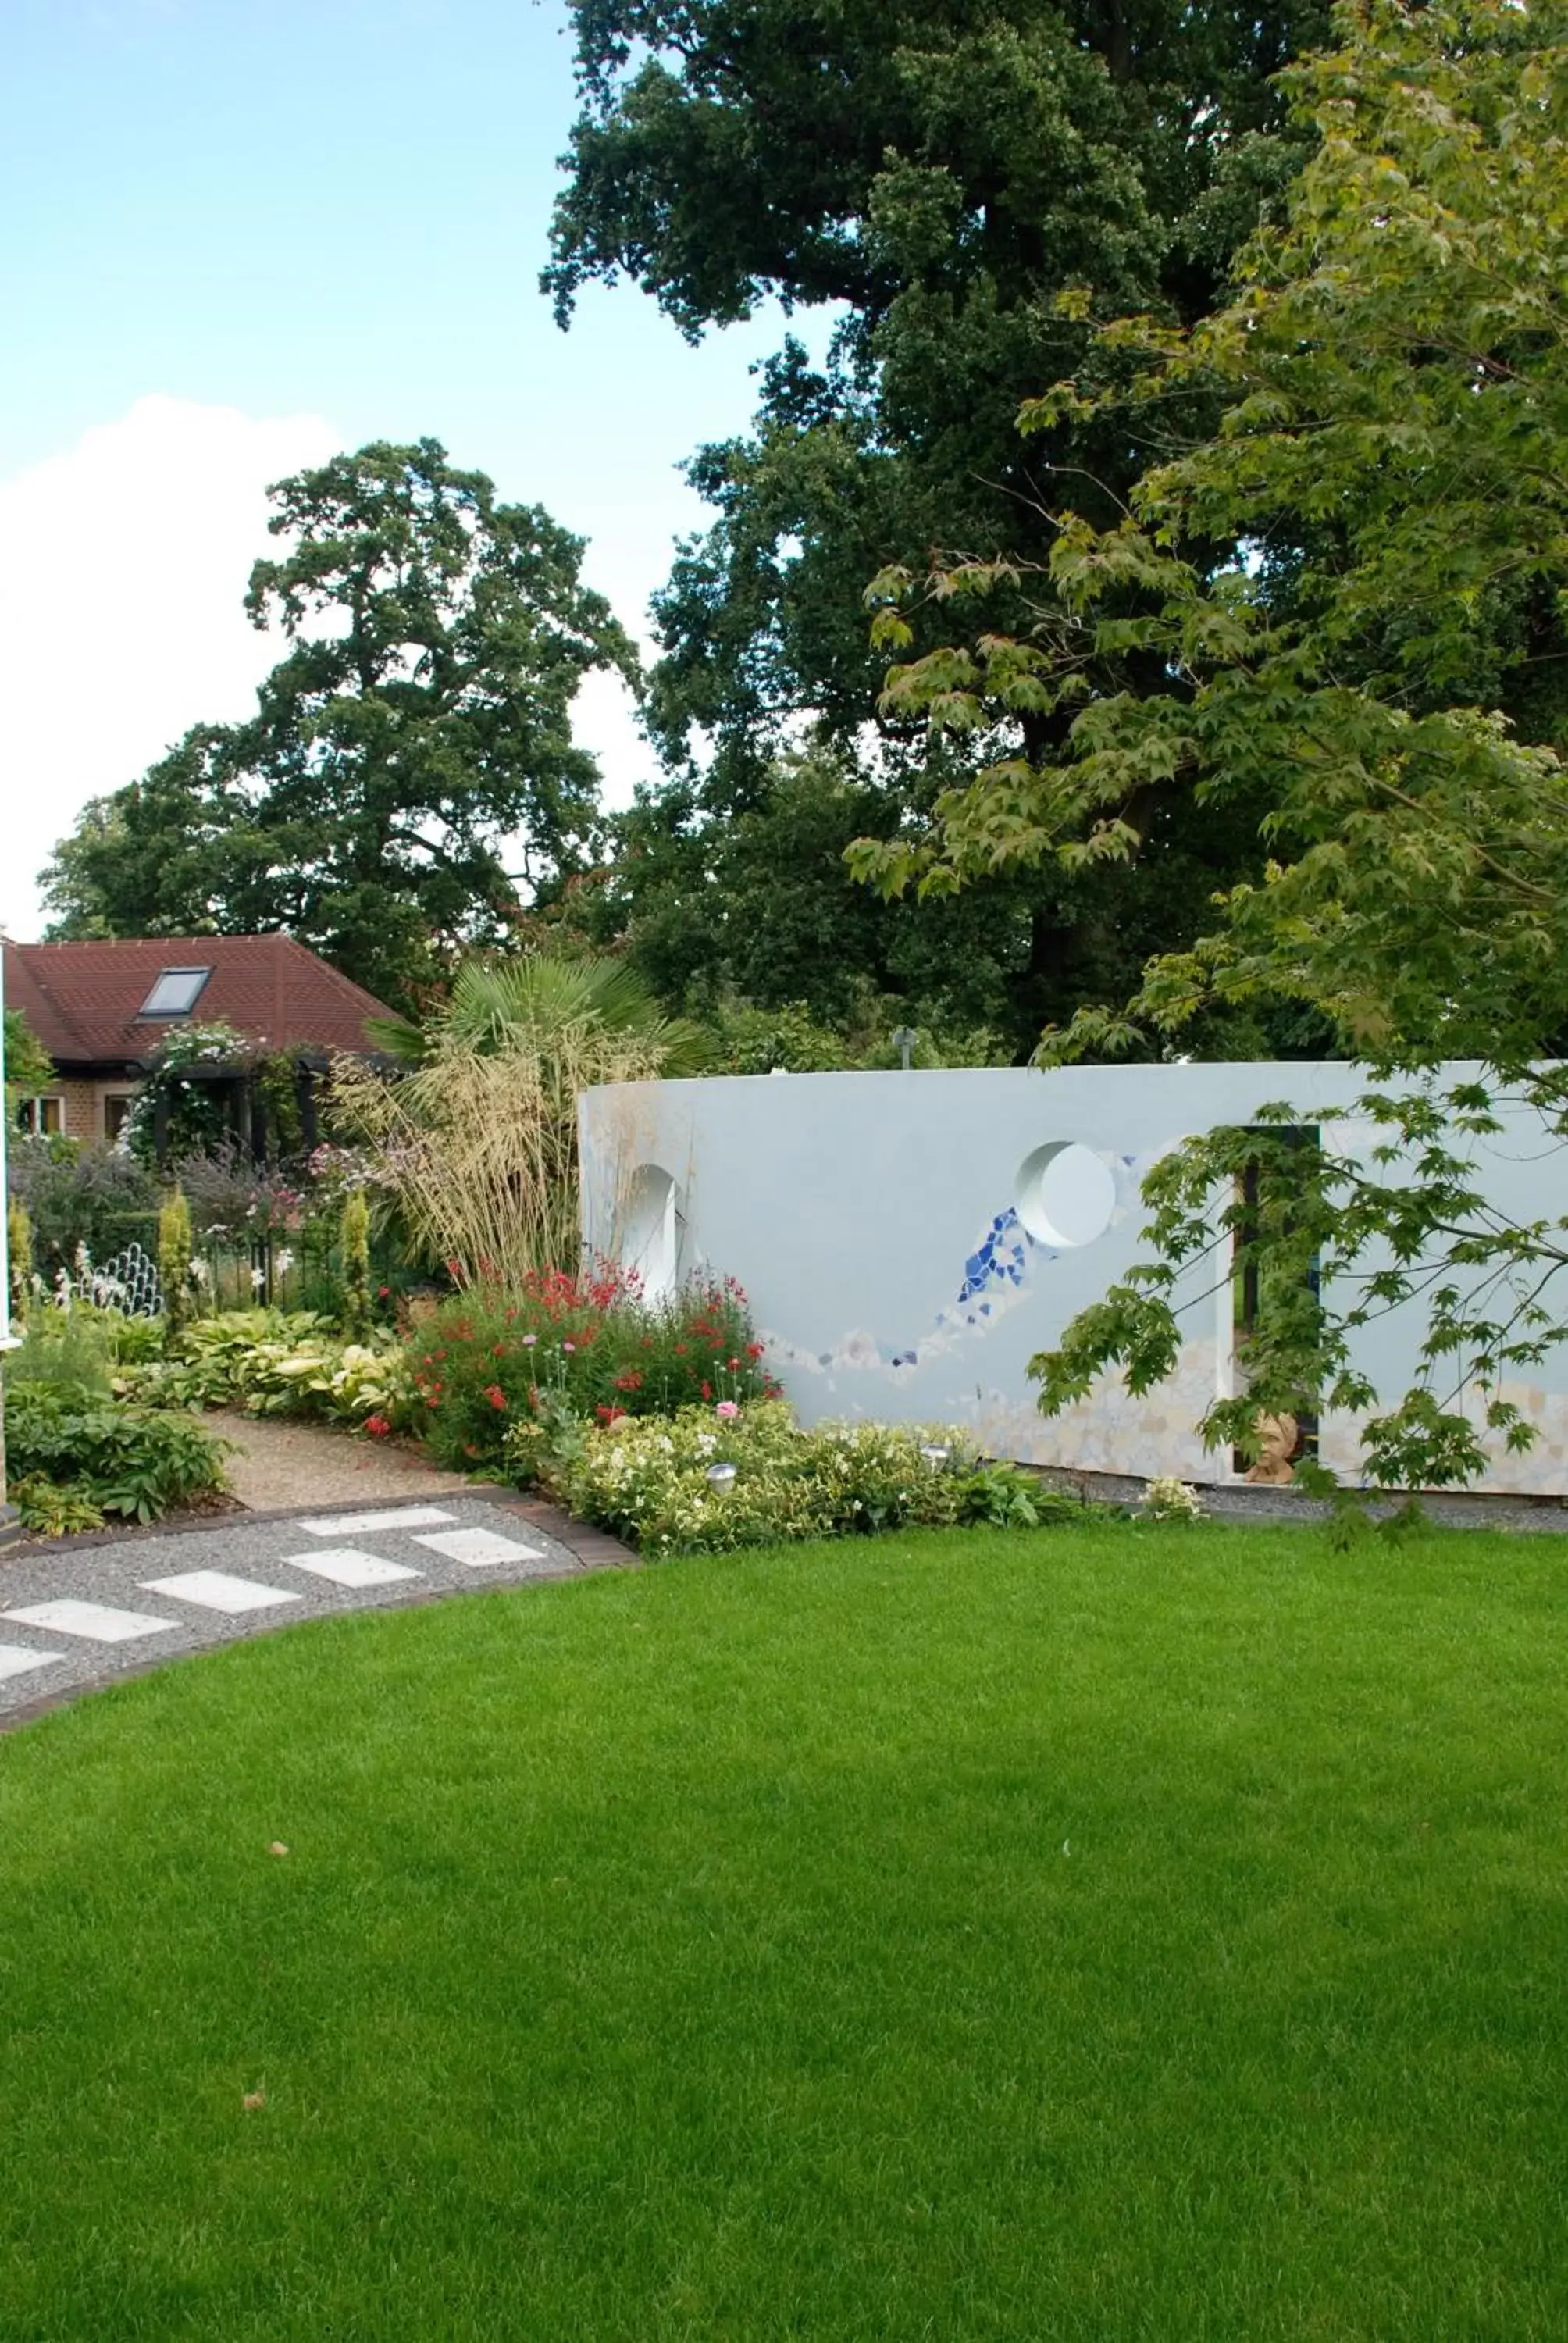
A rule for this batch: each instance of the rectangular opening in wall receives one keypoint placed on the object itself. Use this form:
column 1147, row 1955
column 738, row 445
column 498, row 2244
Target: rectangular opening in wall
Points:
column 1274, row 1279
column 42, row 1117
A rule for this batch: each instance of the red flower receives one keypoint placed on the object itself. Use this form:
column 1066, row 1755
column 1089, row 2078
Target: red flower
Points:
column 707, row 1391
column 632, row 1382
column 382, row 1291
column 754, row 1350
column 609, row 1414
column 378, row 1425
column 497, row 1396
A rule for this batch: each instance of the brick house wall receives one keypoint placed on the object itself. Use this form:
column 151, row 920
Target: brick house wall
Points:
column 83, row 1104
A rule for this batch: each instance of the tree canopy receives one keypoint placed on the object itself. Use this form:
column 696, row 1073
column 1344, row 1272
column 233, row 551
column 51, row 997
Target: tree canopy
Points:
column 1386, row 653
column 932, row 178
column 408, row 780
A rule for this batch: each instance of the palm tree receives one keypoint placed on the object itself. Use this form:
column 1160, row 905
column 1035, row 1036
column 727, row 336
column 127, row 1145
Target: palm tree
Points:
column 495, row 1006
column 477, row 1143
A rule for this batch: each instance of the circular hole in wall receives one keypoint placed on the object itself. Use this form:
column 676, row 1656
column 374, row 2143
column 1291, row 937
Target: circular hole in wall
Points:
column 1065, row 1195
column 650, row 1230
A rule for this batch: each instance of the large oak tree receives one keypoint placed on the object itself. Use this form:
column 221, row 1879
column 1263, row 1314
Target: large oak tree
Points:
column 408, row 783
column 932, row 178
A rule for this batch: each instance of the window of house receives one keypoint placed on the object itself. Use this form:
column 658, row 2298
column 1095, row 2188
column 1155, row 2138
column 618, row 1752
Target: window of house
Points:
column 41, row 1116
column 176, row 993
column 117, row 1107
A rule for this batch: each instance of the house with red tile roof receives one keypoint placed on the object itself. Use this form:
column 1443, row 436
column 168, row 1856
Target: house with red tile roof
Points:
column 103, row 1010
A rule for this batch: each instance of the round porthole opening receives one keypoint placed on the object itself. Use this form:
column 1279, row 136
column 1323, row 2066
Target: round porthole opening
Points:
column 1065, row 1195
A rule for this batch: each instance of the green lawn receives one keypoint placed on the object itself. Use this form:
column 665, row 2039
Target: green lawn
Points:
column 1114, row 1934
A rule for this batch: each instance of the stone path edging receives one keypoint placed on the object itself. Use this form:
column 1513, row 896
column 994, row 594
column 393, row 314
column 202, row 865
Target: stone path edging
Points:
column 201, row 1584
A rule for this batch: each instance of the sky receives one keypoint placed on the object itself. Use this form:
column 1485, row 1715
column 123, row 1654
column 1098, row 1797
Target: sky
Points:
column 235, row 237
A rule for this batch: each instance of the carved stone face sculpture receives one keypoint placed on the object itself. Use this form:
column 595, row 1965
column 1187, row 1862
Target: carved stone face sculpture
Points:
column 1278, row 1434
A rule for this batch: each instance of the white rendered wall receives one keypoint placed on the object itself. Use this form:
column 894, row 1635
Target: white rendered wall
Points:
column 909, row 1241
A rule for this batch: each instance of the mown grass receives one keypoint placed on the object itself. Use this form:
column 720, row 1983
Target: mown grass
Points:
column 1116, row 1934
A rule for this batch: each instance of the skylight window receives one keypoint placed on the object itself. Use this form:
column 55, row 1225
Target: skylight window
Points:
column 174, row 994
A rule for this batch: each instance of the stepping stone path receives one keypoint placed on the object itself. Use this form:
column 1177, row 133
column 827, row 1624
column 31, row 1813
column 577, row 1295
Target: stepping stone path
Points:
column 73, row 1620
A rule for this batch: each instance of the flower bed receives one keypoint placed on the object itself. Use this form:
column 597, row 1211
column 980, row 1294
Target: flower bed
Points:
column 560, row 1349
column 713, row 1479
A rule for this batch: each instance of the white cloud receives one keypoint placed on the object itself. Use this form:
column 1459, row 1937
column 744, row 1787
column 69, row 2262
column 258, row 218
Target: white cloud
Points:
column 121, row 617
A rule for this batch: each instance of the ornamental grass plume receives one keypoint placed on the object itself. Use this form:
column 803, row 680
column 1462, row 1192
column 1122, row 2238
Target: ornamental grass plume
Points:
column 477, row 1143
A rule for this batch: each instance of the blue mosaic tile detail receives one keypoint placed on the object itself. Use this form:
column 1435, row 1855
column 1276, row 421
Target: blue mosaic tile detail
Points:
column 999, row 1259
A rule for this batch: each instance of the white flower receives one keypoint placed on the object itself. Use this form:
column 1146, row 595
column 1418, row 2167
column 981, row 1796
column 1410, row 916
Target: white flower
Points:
column 198, row 1272
column 257, row 1279
column 283, row 1261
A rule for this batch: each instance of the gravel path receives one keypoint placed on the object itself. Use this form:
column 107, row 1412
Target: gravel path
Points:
column 78, row 1616
column 279, row 1464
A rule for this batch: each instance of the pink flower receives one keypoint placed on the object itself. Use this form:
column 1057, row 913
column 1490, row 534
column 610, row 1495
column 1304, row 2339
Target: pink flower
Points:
column 726, row 1411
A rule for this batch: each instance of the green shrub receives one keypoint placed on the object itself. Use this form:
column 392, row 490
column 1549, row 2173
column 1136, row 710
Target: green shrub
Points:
column 588, row 1347
column 1006, row 1497
column 356, row 1240
column 65, row 1347
column 174, row 1259
column 82, row 1342
column 136, row 1461
column 92, row 1199
column 652, row 1481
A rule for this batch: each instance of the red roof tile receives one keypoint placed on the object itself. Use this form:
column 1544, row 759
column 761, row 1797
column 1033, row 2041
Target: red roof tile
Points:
column 81, row 1000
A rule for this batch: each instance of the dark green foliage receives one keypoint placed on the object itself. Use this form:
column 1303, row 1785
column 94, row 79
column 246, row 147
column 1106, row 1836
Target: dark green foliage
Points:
column 93, row 1197
column 188, row 1098
column 136, row 1463
column 395, row 748
column 756, row 908
column 944, row 176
